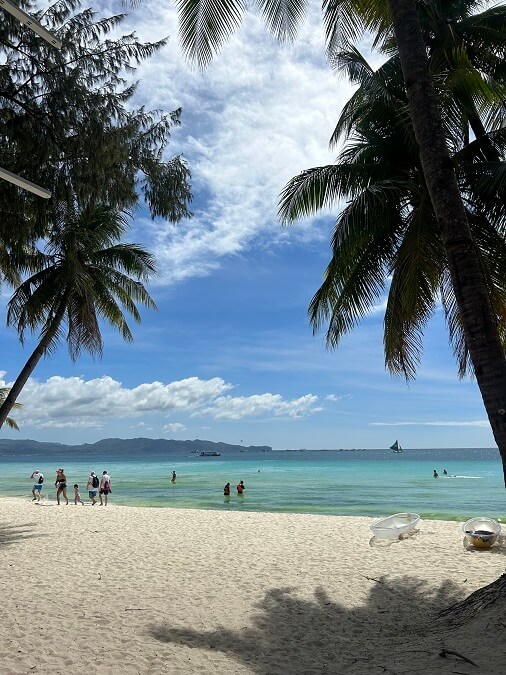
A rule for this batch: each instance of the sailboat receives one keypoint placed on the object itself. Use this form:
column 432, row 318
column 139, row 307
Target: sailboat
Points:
column 396, row 447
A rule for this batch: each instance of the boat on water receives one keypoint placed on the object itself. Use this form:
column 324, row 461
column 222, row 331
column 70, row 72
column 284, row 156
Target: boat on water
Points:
column 482, row 532
column 396, row 447
column 208, row 453
column 393, row 526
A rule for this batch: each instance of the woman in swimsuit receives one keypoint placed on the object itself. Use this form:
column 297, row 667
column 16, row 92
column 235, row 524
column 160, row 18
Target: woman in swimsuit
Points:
column 61, row 485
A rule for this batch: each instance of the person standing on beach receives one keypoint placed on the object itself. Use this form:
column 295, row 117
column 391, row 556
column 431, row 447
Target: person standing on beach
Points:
column 105, row 488
column 77, row 496
column 38, row 479
column 240, row 487
column 92, row 486
column 61, row 486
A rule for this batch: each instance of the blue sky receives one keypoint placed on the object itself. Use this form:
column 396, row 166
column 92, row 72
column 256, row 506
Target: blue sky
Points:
column 230, row 356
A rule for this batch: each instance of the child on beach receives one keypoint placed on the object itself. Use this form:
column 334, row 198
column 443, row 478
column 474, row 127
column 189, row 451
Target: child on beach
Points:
column 77, row 496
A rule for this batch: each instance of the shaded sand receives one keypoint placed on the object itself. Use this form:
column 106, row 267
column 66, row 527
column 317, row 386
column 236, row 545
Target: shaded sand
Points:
column 128, row 590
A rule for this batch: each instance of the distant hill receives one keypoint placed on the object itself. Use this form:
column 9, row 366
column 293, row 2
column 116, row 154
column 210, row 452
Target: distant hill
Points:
column 123, row 446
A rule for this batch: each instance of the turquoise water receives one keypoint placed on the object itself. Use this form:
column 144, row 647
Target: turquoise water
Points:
column 366, row 482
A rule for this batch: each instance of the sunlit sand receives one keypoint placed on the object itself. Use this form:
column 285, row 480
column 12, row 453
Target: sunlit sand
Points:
column 129, row 590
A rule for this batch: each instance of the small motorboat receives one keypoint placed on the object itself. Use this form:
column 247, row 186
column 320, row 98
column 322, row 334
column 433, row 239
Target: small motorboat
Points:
column 393, row 526
column 482, row 532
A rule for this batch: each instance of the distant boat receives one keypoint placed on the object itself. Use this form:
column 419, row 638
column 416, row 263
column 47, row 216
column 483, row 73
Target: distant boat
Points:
column 210, row 454
column 396, row 447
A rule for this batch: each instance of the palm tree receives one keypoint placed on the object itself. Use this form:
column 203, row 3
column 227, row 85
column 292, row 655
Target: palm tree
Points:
column 86, row 276
column 9, row 421
column 388, row 226
column 205, row 26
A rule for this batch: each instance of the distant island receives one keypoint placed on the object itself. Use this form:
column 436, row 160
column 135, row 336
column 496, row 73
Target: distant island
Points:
column 120, row 446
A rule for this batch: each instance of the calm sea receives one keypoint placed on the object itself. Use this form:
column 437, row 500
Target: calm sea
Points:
column 359, row 482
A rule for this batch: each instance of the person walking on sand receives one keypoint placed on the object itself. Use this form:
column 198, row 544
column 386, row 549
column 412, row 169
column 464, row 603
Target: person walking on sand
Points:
column 77, row 496
column 61, row 486
column 38, row 479
column 92, row 486
column 240, row 487
column 105, row 488
column 226, row 490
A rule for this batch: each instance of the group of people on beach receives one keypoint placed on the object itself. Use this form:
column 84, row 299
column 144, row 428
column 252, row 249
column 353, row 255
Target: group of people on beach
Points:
column 240, row 488
column 95, row 486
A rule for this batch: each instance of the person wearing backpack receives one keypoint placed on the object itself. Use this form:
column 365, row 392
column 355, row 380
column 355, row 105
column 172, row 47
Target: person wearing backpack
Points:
column 92, row 487
column 38, row 479
column 105, row 488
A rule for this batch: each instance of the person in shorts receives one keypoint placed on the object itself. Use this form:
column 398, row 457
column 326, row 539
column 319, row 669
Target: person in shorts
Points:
column 38, row 479
column 92, row 487
column 105, row 488
column 61, row 486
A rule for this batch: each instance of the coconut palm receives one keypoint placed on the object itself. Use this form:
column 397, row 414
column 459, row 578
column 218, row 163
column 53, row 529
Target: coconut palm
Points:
column 9, row 421
column 388, row 226
column 87, row 276
column 204, row 27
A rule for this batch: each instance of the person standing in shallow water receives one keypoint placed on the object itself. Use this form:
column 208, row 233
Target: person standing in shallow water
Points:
column 436, row 475
column 226, row 490
column 173, row 479
column 240, row 487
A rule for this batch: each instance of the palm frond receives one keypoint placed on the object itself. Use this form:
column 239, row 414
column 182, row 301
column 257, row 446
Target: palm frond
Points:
column 206, row 25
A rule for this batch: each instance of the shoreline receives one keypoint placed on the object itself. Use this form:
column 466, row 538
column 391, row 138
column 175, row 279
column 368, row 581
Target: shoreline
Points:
column 126, row 589
column 242, row 507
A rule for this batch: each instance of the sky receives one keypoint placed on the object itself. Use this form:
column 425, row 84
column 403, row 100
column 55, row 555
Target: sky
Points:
column 229, row 355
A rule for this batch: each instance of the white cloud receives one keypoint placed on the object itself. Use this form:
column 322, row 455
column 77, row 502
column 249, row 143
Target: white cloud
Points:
column 73, row 402
column 258, row 115
column 173, row 428
column 228, row 407
column 471, row 423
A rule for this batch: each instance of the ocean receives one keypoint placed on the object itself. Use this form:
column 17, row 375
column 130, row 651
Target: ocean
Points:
column 332, row 482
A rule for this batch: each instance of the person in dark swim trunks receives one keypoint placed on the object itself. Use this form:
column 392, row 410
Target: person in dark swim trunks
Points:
column 61, row 486
column 226, row 490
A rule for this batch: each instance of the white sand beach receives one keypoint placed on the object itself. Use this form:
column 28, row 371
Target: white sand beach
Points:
column 119, row 590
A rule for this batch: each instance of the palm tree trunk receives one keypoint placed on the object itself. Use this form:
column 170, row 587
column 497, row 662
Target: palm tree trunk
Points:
column 30, row 365
column 469, row 284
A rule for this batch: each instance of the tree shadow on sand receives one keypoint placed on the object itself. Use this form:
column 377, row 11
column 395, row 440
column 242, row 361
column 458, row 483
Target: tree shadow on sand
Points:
column 291, row 635
column 13, row 534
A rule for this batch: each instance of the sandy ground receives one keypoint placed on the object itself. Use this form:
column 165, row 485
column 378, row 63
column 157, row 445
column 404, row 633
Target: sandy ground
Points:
column 128, row 590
